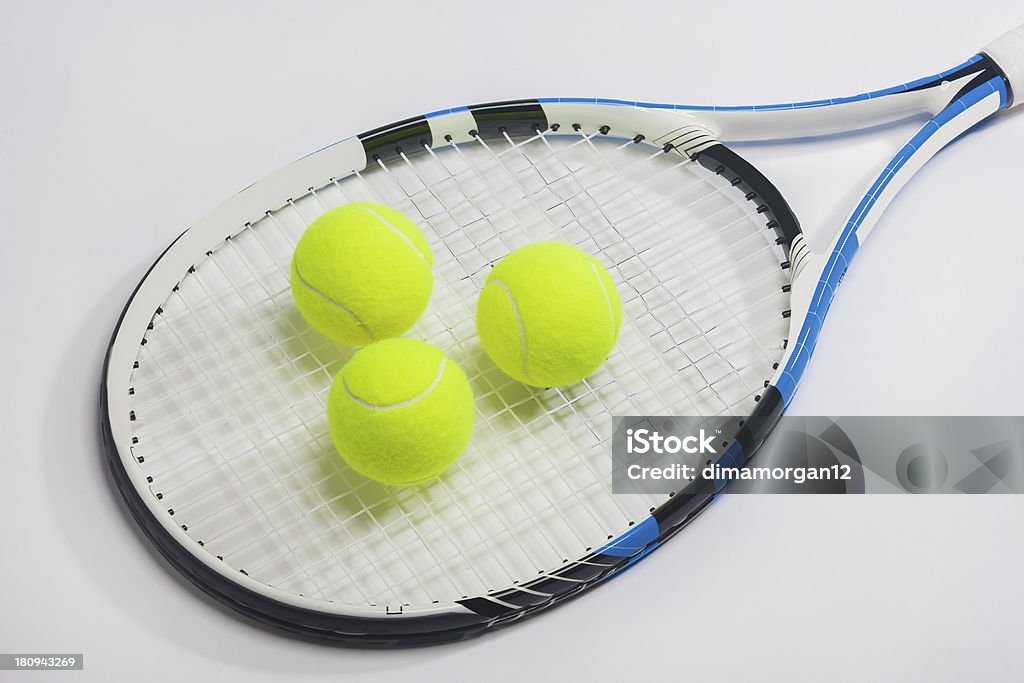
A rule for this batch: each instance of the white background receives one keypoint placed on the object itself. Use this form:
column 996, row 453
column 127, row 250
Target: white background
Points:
column 122, row 123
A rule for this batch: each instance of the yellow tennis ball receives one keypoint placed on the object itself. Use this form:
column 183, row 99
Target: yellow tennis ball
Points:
column 548, row 315
column 400, row 412
column 361, row 272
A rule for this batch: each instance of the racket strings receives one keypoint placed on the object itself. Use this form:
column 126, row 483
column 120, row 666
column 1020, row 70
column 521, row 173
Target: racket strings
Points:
column 254, row 496
column 496, row 156
column 619, row 178
column 526, row 497
column 695, row 264
column 472, row 200
column 231, row 529
column 704, row 228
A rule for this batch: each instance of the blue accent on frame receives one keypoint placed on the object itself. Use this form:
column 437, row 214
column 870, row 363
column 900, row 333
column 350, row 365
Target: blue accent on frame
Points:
column 733, row 456
column 847, row 245
column 874, row 94
column 634, row 541
column 443, row 112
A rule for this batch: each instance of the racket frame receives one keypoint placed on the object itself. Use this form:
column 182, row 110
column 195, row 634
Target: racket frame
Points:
column 956, row 100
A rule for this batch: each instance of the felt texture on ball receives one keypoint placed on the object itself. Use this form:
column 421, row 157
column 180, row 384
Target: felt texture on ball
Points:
column 400, row 412
column 548, row 315
column 361, row 273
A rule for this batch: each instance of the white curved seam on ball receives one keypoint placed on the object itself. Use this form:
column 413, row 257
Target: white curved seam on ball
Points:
column 402, row 235
column 607, row 299
column 401, row 404
column 519, row 321
column 341, row 307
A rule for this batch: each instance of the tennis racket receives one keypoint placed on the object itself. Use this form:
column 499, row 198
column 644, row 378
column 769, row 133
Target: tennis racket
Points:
column 214, row 389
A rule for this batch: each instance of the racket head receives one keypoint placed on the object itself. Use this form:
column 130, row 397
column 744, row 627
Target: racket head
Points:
column 213, row 387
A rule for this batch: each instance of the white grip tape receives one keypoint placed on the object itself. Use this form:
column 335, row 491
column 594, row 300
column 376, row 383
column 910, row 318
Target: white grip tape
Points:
column 1008, row 52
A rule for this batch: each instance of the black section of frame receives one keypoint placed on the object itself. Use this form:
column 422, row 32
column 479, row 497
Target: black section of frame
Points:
column 752, row 432
column 997, row 70
column 389, row 142
column 725, row 162
column 520, row 598
column 516, row 118
column 984, row 69
column 494, row 120
column 762, row 421
column 486, row 608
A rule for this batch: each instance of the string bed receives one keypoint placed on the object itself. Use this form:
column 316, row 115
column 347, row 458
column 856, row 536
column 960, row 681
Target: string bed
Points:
column 231, row 384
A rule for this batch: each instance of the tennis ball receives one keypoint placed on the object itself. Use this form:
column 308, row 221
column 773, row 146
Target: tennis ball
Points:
column 400, row 412
column 361, row 272
column 548, row 315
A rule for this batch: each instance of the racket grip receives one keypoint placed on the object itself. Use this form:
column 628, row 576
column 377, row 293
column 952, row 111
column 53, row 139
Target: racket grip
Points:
column 1008, row 52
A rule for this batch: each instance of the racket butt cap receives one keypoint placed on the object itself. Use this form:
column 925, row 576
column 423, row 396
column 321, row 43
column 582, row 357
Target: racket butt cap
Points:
column 1008, row 52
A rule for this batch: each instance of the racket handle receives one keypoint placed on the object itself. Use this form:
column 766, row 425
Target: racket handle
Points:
column 1008, row 52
